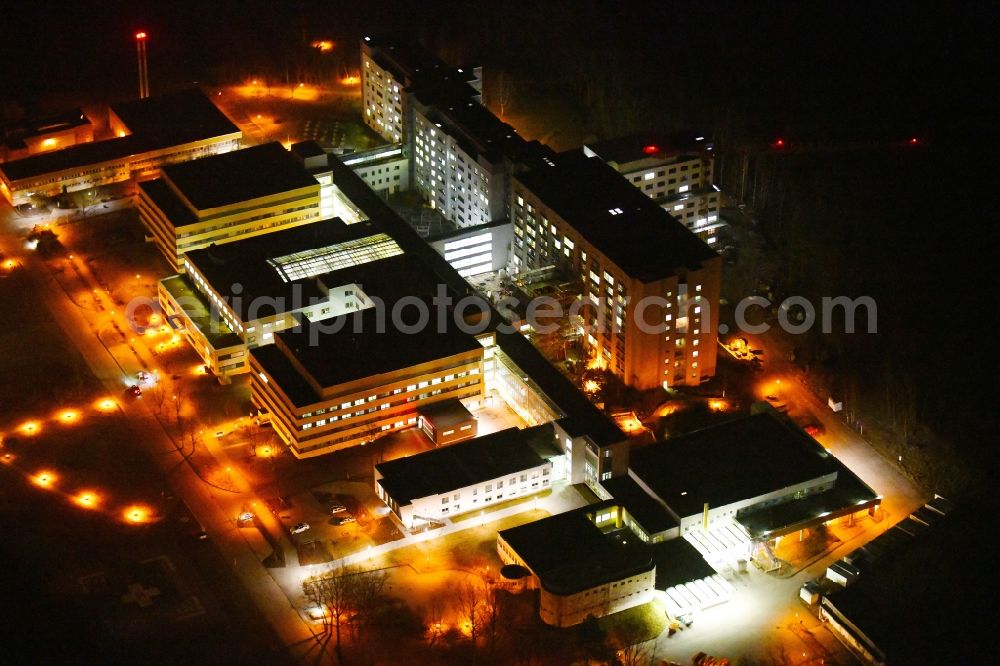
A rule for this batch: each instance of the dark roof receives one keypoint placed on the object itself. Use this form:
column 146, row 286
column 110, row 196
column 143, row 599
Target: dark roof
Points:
column 569, row 553
column 644, row 240
column 677, row 562
column 177, row 117
column 740, row 459
column 156, row 122
column 305, row 149
column 332, row 357
column 244, row 262
column 581, row 416
column 446, row 414
column 648, row 145
column 239, row 175
column 850, row 494
column 477, row 130
column 407, row 60
column 929, row 601
column 452, row 100
column 80, row 155
column 14, row 133
column 166, row 199
column 457, row 466
column 650, row 514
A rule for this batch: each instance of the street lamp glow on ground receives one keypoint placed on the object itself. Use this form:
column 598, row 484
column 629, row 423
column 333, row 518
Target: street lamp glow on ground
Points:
column 87, row 499
column 136, row 514
column 45, row 479
column 30, row 428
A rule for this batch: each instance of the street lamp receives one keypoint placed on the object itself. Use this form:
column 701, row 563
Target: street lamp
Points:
column 136, row 280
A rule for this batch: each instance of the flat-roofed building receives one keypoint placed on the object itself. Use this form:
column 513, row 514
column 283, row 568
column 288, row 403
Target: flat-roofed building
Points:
column 28, row 137
column 652, row 286
column 462, row 155
column 227, row 197
column 389, row 67
column 149, row 133
column 580, row 565
column 513, row 367
column 447, row 422
column 747, row 481
column 329, row 390
column 675, row 171
column 476, row 474
column 238, row 295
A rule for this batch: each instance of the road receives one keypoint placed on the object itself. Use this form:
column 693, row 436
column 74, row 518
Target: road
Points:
column 215, row 509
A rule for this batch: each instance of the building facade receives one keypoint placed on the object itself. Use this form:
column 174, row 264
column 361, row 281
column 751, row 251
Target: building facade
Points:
column 149, row 133
column 265, row 190
column 651, row 294
column 437, row 485
column 677, row 172
column 237, row 296
column 316, row 408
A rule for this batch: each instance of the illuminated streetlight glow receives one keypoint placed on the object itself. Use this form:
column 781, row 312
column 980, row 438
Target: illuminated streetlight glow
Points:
column 106, row 405
column 30, row 428
column 69, row 416
column 136, row 514
column 44, row 479
column 87, row 499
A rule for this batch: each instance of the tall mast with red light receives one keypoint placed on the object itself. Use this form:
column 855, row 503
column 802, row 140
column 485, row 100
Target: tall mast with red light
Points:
column 140, row 52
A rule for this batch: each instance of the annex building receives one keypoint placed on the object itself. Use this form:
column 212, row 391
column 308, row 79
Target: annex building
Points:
column 335, row 389
column 148, row 133
column 227, row 197
column 473, row 475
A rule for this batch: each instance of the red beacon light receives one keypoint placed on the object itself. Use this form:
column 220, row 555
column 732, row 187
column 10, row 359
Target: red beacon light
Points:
column 779, row 143
column 650, row 149
column 913, row 141
column 140, row 35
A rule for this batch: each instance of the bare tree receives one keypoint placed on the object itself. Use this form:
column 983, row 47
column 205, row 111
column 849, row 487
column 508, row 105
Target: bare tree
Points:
column 332, row 592
column 157, row 396
column 469, row 601
column 494, row 613
column 435, row 615
column 368, row 587
column 346, row 597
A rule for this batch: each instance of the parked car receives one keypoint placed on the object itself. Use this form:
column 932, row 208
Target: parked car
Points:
column 300, row 528
column 342, row 520
column 135, row 391
column 337, row 508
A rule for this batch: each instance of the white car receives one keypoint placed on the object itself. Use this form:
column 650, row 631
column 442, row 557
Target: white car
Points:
column 300, row 528
column 337, row 508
